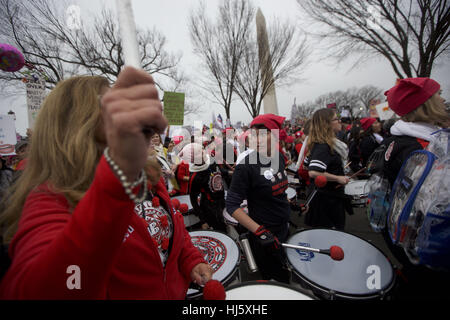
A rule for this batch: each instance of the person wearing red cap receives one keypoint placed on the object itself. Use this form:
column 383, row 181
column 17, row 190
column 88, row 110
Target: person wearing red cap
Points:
column 422, row 110
column 327, row 156
column 260, row 177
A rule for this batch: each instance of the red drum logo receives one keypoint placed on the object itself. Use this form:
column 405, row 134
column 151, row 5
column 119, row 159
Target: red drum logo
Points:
column 213, row 250
column 215, row 182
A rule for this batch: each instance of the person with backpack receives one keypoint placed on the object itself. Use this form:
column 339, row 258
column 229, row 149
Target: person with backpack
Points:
column 422, row 110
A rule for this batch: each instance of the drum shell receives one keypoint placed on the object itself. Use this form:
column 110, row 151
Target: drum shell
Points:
column 358, row 193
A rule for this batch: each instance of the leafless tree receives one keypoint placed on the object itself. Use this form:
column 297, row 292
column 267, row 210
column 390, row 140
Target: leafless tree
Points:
column 38, row 28
column 265, row 65
column 353, row 99
column 368, row 93
column 304, row 110
column 411, row 34
column 220, row 45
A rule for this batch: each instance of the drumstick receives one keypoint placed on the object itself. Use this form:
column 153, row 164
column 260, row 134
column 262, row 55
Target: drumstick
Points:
column 335, row 252
column 346, row 166
column 353, row 175
column 320, row 182
column 129, row 41
column 128, row 33
column 357, row 173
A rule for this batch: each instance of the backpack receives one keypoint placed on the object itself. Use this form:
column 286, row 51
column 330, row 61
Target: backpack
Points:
column 376, row 161
column 419, row 215
column 378, row 190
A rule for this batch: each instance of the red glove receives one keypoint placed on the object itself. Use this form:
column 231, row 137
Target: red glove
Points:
column 267, row 239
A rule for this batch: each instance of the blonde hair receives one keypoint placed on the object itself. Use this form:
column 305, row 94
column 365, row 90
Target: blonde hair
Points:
column 320, row 130
column 153, row 168
column 430, row 112
column 64, row 150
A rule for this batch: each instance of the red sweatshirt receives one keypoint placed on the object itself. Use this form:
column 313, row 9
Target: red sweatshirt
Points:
column 50, row 238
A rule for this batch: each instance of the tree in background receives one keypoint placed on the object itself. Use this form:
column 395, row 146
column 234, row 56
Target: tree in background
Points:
column 355, row 100
column 220, row 45
column 229, row 51
column 286, row 57
column 39, row 29
column 411, row 34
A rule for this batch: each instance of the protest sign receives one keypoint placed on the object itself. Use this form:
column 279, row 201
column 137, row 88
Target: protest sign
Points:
column 35, row 97
column 384, row 111
column 174, row 108
column 8, row 137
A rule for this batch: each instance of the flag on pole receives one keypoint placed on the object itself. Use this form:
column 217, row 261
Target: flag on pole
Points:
column 220, row 121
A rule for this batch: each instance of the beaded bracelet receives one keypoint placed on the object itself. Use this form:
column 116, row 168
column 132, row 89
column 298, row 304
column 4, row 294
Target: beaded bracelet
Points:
column 123, row 179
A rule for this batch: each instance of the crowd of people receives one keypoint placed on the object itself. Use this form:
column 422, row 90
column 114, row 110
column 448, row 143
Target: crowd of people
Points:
column 96, row 188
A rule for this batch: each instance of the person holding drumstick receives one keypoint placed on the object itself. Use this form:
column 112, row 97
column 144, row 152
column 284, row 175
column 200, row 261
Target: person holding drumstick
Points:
column 260, row 177
column 327, row 156
column 72, row 223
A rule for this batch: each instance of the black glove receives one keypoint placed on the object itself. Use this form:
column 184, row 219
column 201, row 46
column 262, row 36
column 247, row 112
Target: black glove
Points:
column 267, row 239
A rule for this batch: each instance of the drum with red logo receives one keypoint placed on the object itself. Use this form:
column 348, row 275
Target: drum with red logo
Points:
column 222, row 254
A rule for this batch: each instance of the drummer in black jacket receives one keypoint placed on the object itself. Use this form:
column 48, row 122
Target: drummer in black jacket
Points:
column 260, row 177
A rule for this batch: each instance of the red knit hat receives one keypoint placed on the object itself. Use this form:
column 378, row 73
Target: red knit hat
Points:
column 409, row 94
column 270, row 121
column 289, row 139
column 366, row 123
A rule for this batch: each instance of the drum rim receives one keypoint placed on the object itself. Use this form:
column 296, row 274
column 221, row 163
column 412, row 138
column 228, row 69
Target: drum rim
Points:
column 225, row 282
column 271, row 282
column 338, row 293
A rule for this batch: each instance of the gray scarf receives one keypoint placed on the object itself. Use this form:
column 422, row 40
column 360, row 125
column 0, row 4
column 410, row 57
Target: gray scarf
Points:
column 342, row 149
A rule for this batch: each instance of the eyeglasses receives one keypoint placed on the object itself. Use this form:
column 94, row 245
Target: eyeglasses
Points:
column 337, row 119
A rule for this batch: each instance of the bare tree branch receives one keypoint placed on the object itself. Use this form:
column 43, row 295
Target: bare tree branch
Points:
column 412, row 35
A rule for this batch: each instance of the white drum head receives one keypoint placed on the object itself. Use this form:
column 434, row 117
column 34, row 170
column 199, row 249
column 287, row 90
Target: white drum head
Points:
column 364, row 271
column 355, row 187
column 219, row 250
column 291, row 193
column 264, row 291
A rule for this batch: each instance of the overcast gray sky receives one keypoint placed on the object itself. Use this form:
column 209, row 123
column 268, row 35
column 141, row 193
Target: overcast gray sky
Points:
column 171, row 16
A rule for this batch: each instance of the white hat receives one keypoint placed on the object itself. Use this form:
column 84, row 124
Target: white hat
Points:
column 195, row 155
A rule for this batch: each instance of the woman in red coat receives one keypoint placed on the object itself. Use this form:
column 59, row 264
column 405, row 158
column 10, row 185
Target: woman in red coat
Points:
column 83, row 222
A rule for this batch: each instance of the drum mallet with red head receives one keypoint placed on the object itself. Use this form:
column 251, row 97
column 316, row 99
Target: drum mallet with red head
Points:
column 319, row 182
column 335, row 252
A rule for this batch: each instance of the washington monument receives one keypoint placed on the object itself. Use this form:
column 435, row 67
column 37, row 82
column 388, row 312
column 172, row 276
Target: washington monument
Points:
column 270, row 99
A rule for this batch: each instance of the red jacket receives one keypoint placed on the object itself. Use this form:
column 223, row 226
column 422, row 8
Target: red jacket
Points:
column 50, row 238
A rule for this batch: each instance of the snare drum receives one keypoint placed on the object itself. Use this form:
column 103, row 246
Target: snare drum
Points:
column 265, row 290
column 221, row 253
column 356, row 189
column 190, row 218
column 364, row 273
